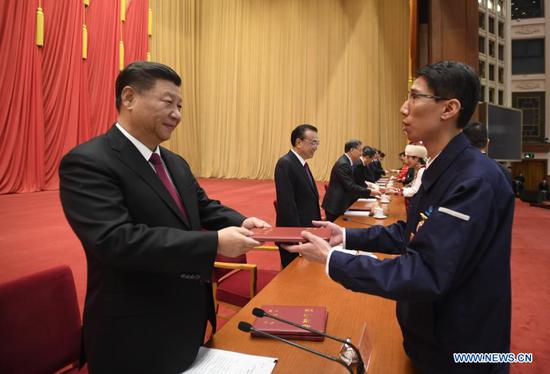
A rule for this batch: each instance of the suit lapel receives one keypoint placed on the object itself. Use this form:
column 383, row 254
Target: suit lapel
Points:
column 302, row 170
column 131, row 157
column 180, row 180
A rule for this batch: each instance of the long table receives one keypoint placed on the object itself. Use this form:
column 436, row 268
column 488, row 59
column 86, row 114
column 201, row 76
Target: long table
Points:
column 306, row 283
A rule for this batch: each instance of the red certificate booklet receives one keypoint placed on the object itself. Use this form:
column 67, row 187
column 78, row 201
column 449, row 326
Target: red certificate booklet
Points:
column 288, row 234
column 314, row 317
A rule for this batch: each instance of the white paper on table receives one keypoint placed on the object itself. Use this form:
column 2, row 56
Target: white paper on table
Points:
column 357, row 213
column 214, row 361
column 369, row 200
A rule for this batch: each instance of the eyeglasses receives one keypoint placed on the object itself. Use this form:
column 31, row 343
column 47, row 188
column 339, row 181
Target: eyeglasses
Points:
column 314, row 143
column 413, row 95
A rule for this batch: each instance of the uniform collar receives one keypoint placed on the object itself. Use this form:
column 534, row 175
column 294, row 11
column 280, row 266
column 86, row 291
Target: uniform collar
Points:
column 444, row 160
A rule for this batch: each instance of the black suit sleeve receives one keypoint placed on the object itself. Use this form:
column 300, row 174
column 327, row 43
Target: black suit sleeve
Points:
column 95, row 201
column 344, row 174
column 213, row 215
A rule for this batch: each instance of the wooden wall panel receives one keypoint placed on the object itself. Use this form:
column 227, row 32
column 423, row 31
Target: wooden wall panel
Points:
column 453, row 31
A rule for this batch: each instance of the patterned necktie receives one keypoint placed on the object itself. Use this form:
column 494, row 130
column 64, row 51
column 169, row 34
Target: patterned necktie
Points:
column 163, row 175
column 308, row 172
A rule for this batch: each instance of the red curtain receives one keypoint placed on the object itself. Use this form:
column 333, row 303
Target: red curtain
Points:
column 21, row 114
column 52, row 99
column 103, row 18
column 134, row 31
column 61, row 70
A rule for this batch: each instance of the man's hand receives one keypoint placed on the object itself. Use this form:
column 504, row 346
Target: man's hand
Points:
column 234, row 241
column 252, row 222
column 393, row 190
column 315, row 250
column 375, row 192
column 336, row 232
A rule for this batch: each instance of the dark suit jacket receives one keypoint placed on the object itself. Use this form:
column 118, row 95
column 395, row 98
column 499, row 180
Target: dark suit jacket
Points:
column 342, row 189
column 362, row 173
column 149, row 293
column 376, row 169
column 410, row 176
column 297, row 197
column 452, row 281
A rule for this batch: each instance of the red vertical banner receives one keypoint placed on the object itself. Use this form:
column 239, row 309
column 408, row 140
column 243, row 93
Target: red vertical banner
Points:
column 62, row 69
column 53, row 98
column 103, row 20
column 21, row 115
column 134, row 31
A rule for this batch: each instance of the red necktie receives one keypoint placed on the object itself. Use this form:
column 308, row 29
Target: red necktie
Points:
column 161, row 172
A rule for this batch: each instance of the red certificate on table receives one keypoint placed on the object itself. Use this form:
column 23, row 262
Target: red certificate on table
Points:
column 314, row 317
column 288, row 234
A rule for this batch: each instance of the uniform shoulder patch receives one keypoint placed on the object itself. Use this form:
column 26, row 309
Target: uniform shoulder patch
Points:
column 454, row 213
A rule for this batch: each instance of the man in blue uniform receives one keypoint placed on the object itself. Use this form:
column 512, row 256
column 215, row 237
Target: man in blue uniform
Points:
column 452, row 280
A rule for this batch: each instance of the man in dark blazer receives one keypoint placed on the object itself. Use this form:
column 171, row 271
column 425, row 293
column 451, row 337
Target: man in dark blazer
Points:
column 361, row 171
column 297, row 195
column 452, row 278
column 149, row 231
column 342, row 189
column 375, row 167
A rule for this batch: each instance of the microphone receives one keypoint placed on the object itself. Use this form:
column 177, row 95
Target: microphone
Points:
column 359, row 222
column 247, row 327
column 258, row 312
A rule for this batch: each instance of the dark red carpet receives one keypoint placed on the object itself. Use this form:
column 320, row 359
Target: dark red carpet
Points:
column 35, row 236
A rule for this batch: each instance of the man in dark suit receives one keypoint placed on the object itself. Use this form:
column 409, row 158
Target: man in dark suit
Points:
column 342, row 189
column 452, row 278
column 297, row 195
column 149, row 231
column 361, row 172
column 375, row 167
column 476, row 132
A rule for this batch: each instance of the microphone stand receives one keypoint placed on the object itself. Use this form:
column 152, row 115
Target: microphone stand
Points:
column 246, row 327
column 360, row 365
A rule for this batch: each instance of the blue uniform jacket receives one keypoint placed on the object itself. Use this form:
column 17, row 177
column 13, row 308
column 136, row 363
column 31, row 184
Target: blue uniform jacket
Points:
column 452, row 280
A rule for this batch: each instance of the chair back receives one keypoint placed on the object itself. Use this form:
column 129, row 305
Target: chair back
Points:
column 218, row 272
column 40, row 326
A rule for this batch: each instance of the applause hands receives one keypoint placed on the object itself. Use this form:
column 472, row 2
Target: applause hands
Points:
column 317, row 249
column 234, row 241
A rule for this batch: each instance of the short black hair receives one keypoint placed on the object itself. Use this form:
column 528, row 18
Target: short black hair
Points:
column 454, row 80
column 476, row 133
column 368, row 151
column 401, row 154
column 299, row 132
column 352, row 143
column 142, row 75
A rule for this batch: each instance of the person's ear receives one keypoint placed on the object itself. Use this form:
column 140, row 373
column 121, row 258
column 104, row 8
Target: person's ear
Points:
column 128, row 97
column 451, row 109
